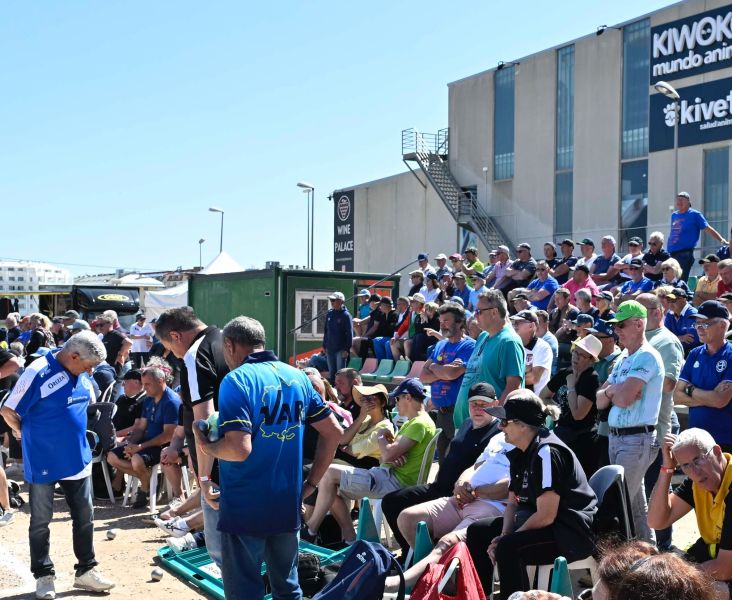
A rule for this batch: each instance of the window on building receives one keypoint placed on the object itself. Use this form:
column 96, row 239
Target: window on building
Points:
column 11, row 268
column 308, row 304
column 11, row 278
column 563, row 192
column 503, row 122
column 716, row 195
column 633, row 201
column 21, row 278
column 565, row 109
column 636, row 80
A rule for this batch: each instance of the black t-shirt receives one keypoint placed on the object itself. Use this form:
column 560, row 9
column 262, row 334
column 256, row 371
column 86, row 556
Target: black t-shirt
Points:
column 465, row 448
column 587, row 386
column 433, row 323
column 387, row 325
column 113, row 341
column 104, row 375
column 684, row 491
column 203, row 369
column 375, row 316
column 570, row 261
column 653, row 259
column 128, row 409
column 593, row 311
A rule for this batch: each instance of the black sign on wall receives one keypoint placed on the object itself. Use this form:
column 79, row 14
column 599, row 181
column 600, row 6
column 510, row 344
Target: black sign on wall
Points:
column 705, row 116
column 343, row 231
column 693, row 45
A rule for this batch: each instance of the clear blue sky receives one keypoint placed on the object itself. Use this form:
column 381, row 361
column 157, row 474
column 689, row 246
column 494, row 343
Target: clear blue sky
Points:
column 122, row 122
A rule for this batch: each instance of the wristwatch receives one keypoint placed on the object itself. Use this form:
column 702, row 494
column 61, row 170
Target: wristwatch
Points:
column 689, row 389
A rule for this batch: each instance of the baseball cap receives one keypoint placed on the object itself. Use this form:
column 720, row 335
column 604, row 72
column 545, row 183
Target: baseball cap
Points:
column 140, row 315
column 359, row 391
column 566, row 242
column 482, row 391
column 57, row 320
column 525, row 407
column 589, row 344
column 584, row 268
column 418, row 298
column 80, row 325
column 386, row 300
column 375, row 298
column 711, row 309
column 457, row 300
column 478, row 275
column 422, row 256
column 365, row 293
column 416, row 273
column 635, row 241
column 684, row 195
column 412, row 386
column 584, row 319
column 636, row 262
column 5, row 356
column 471, row 249
column 459, row 275
column 677, row 293
column 503, row 249
column 132, row 374
column 605, row 296
column 630, row 309
column 525, row 315
column 709, row 258
column 586, row 242
column 337, row 296
column 604, row 328
column 42, row 351
column 521, row 296
column 456, row 256
column 525, row 246
column 71, row 314
column 447, row 274
column 440, row 256
column 431, row 275
column 726, row 297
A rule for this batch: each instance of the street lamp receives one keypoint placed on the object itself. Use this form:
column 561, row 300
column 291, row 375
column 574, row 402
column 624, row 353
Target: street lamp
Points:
column 670, row 92
column 309, row 189
column 200, row 259
column 221, row 238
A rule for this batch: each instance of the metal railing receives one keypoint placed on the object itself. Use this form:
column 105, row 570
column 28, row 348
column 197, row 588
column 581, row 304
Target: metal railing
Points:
column 414, row 141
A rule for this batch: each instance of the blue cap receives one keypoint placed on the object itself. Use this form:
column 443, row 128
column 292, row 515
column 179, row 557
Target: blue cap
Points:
column 412, row 386
column 604, row 327
column 42, row 351
column 422, row 256
column 584, row 319
column 711, row 309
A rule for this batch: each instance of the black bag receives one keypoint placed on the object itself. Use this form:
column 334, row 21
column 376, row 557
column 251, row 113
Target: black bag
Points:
column 16, row 500
column 310, row 573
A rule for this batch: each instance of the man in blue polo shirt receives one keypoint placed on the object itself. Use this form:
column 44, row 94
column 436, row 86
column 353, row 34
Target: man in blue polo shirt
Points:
column 705, row 383
column 686, row 226
column 263, row 407
column 637, row 284
column 47, row 409
column 444, row 371
column 543, row 287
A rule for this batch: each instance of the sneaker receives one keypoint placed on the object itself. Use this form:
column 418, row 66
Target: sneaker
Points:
column 181, row 544
column 45, row 589
column 141, row 500
column 5, row 518
column 93, row 581
column 176, row 527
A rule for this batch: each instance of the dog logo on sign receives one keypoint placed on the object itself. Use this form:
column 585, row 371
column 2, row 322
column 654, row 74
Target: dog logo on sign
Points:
column 344, row 208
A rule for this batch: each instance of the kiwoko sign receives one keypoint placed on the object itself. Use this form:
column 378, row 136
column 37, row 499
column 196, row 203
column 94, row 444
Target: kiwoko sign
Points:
column 343, row 231
column 705, row 115
column 693, row 45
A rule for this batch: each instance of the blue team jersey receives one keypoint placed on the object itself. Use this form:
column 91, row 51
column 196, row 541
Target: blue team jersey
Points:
column 550, row 284
column 685, row 230
column 160, row 414
column 272, row 401
column 51, row 403
column 706, row 371
column 631, row 287
column 444, row 393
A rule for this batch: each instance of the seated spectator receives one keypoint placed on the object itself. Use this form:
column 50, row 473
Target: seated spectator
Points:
column 671, row 275
column 472, row 264
column 542, row 331
column 359, row 445
column 706, row 285
column 465, row 448
column 363, row 324
column 662, row 292
column 426, row 323
column 442, row 267
column 583, row 301
column 520, row 272
column 680, row 320
column 329, row 396
column 567, row 262
column 604, row 303
column 580, row 280
column 345, row 380
column 725, row 277
column 637, row 284
column 543, row 287
column 503, row 261
column 382, row 344
column 550, row 505
column 424, row 263
column 364, row 304
column 587, row 250
column 401, row 347
column 446, row 285
column 40, row 336
column 602, row 271
column 635, row 250
column 490, row 267
column 431, row 289
column 583, row 325
column 381, row 324
column 519, row 299
column 478, row 288
column 538, row 353
column 152, row 431
column 456, row 260
column 560, row 324
column 706, row 491
column 723, row 251
column 11, row 324
column 480, row 493
column 416, row 279
column 655, row 257
column 462, row 290
column 401, row 458
column 129, row 404
column 573, row 391
column 550, row 254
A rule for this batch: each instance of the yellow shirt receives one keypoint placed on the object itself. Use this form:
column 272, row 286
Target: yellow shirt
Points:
column 706, row 286
column 710, row 508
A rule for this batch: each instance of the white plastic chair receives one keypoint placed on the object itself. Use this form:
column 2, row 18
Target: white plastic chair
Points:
column 134, row 482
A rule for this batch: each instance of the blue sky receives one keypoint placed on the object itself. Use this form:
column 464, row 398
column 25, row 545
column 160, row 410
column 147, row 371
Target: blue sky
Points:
column 121, row 123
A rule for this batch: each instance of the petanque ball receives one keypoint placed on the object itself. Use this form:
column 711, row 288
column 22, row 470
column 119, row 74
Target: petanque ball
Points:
column 157, row 574
column 111, row 534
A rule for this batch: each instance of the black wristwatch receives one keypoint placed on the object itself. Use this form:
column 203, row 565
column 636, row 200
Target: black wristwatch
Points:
column 311, row 484
column 689, row 389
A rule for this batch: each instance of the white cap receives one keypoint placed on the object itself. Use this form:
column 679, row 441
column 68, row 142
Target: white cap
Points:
column 418, row 298
column 440, row 256
column 337, row 296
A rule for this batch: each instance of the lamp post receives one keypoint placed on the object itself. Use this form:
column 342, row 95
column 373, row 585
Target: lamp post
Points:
column 221, row 238
column 200, row 255
column 670, row 92
column 309, row 189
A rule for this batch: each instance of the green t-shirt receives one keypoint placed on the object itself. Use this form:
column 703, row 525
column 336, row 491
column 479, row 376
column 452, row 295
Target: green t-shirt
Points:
column 477, row 267
column 493, row 359
column 421, row 429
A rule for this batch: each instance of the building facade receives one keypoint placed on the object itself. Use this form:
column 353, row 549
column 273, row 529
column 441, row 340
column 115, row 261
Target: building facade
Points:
column 18, row 279
column 573, row 141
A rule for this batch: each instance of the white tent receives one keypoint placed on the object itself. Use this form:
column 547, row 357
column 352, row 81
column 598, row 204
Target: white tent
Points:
column 155, row 302
column 223, row 263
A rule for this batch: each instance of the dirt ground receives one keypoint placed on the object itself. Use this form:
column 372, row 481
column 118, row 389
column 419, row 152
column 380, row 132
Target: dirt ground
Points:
column 129, row 558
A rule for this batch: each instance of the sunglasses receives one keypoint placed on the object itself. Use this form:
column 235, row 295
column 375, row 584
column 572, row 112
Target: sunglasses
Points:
column 634, row 268
column 479, row 311
column 505, row 422
column 666, row 269
column 623, row 324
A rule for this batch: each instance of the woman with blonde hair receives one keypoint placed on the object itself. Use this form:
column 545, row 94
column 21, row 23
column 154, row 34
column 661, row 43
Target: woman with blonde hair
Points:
column 41, row 336
column 671, row 275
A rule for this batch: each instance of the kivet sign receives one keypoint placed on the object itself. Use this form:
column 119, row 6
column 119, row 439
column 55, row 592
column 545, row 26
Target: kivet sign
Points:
column 693, row 45
column 705, row 115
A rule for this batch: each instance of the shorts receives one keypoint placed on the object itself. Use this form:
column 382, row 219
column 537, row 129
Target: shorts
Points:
column 151, row 456
column 376, row 482
column 444, row 516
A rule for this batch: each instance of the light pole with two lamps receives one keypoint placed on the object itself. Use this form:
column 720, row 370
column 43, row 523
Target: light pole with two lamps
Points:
column 309, row 189
column 670, row 92
column 221, row 238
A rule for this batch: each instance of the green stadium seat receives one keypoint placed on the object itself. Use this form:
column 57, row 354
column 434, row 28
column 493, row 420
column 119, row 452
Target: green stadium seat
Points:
column 385, row 367
column 355, row 362
column 401, row 368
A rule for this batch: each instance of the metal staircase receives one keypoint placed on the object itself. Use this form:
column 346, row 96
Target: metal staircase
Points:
column 429, row 151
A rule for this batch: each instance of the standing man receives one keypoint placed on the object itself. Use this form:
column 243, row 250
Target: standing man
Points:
column 705, row 383
column 141, row 334
column 338, row 334
column 498, row 356
column 47, row 410
column 633, row 393
column 686, row 225
column 202, row 350
column 264, row 406
column 444, row 371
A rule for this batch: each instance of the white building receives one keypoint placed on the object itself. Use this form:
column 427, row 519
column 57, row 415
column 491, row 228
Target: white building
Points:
column 23, row 276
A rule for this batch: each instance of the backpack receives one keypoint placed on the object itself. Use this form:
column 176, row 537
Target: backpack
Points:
column 363, row 574
column 467, row 585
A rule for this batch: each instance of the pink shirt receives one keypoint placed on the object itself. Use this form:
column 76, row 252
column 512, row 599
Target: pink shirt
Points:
column 573, row 286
